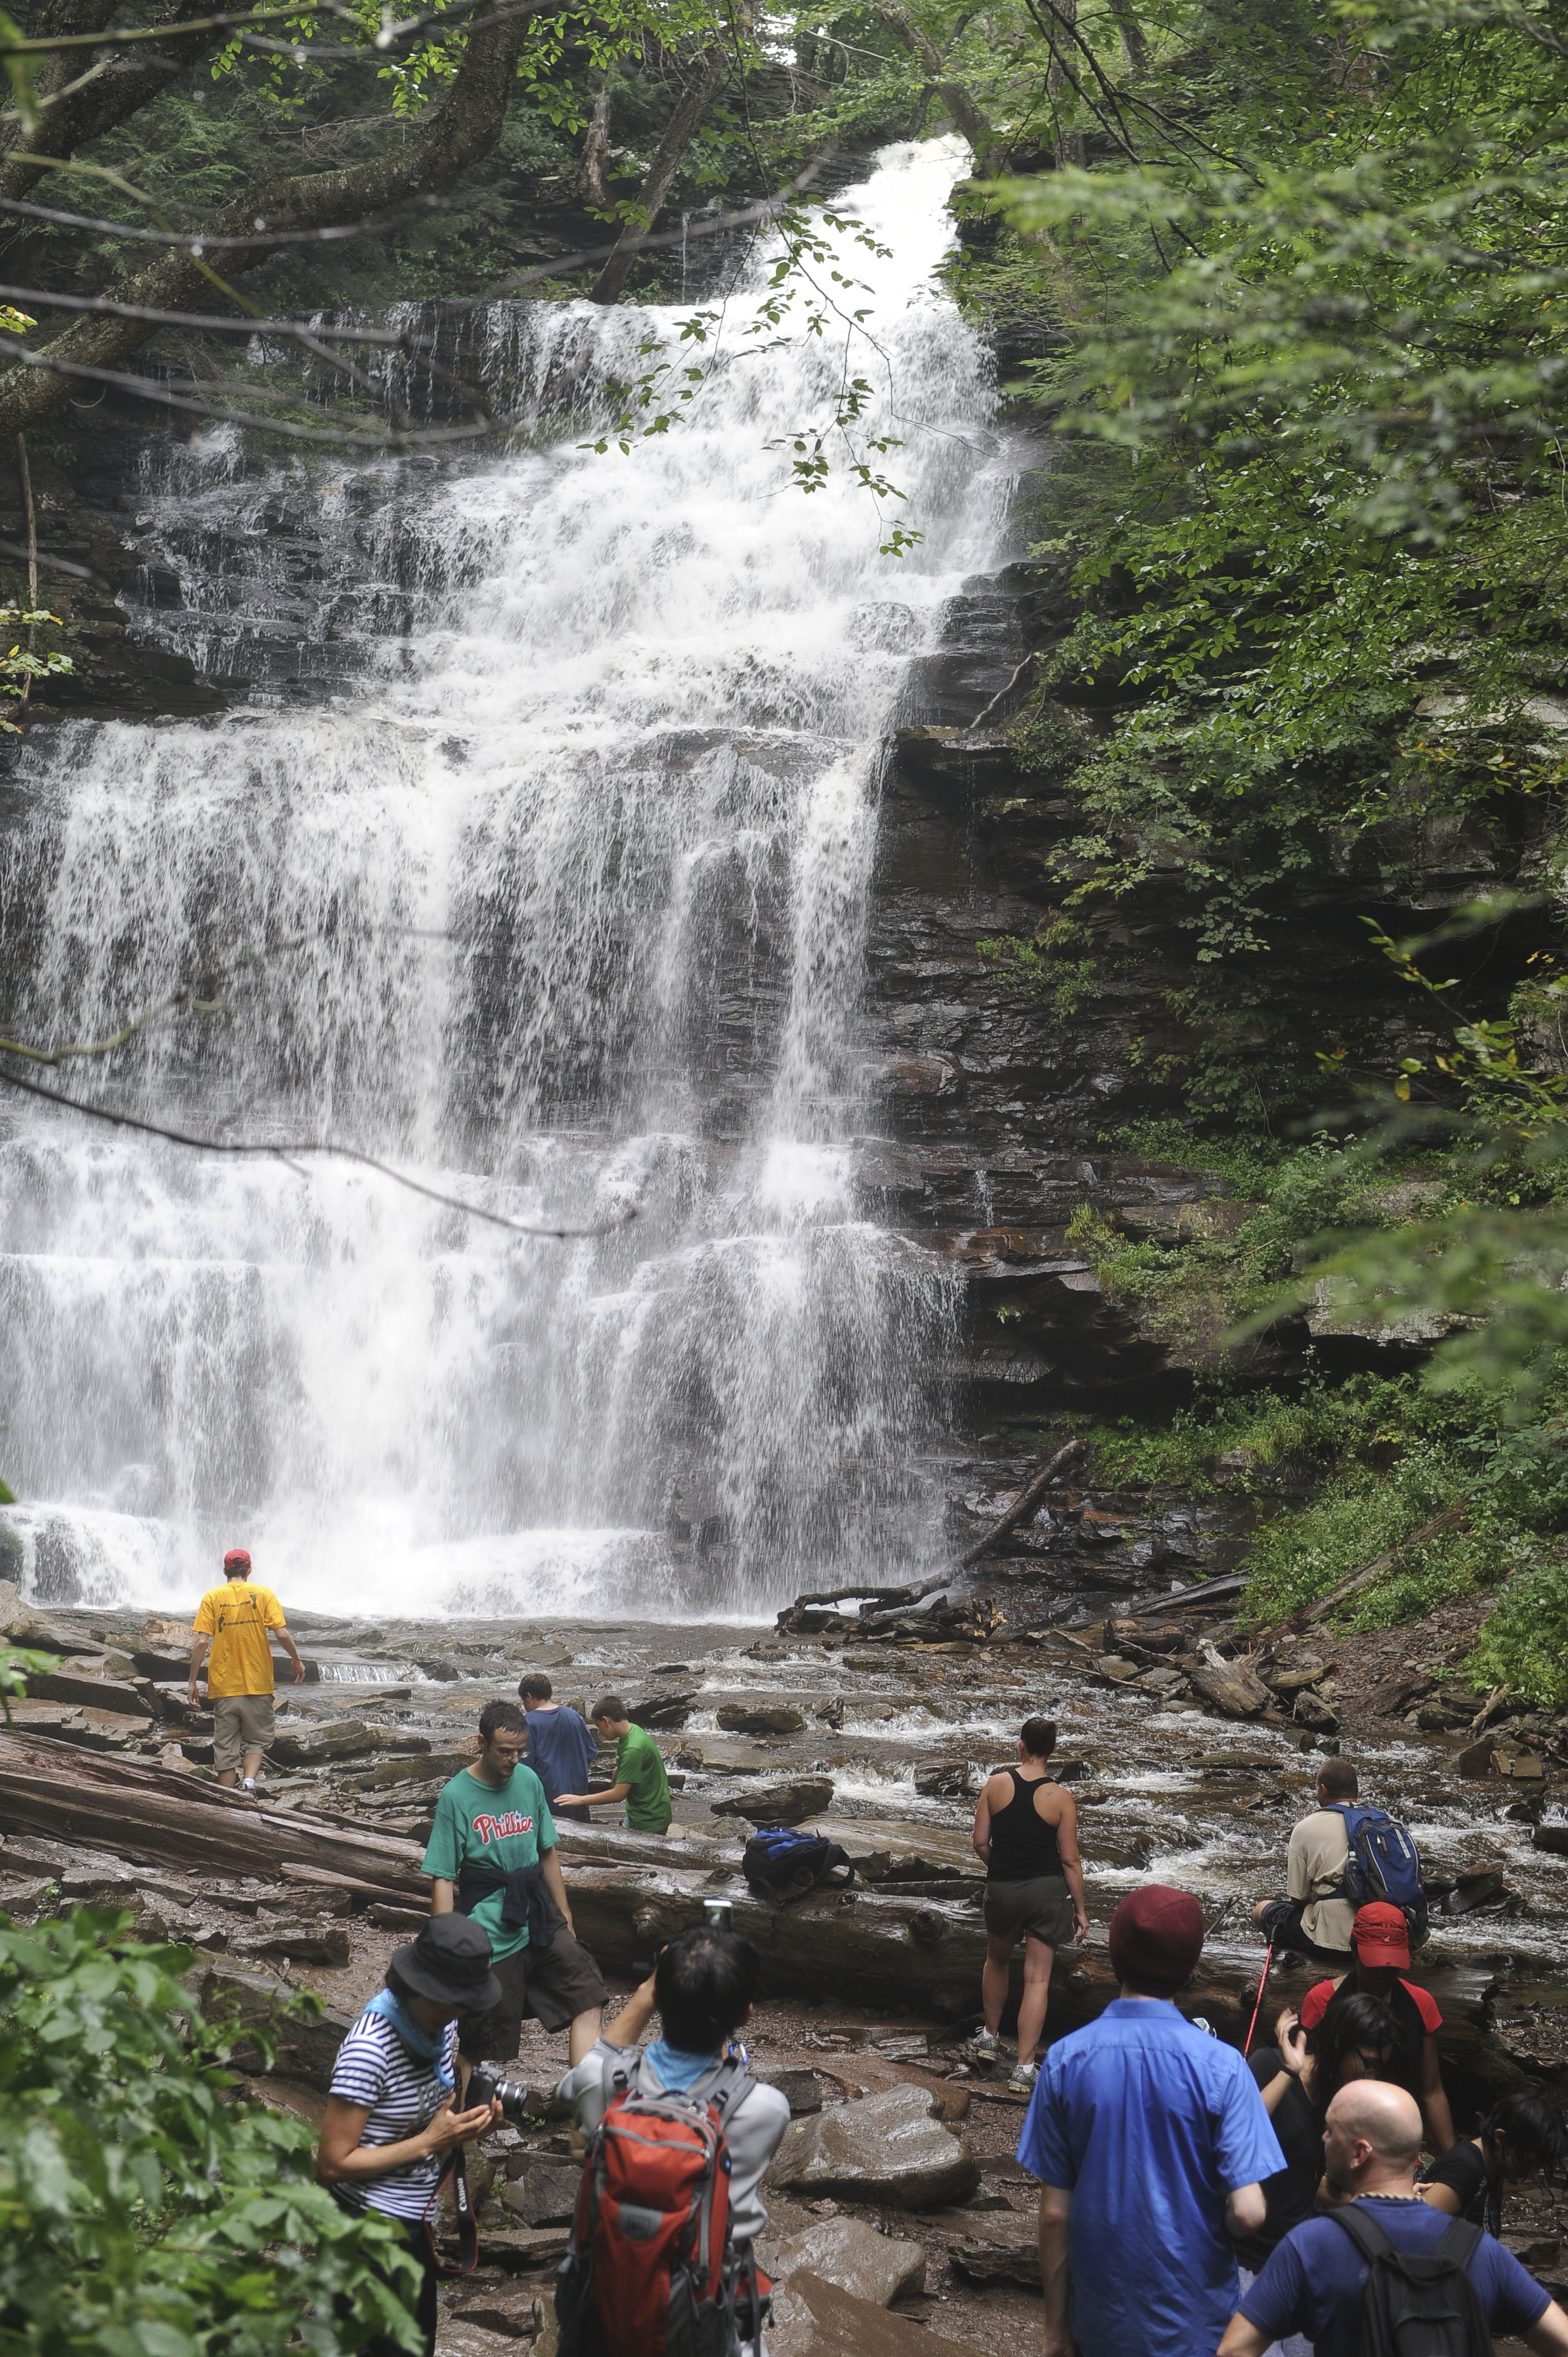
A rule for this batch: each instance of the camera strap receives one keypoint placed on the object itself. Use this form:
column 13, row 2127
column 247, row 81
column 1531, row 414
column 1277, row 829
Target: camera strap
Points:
column 455, row 2173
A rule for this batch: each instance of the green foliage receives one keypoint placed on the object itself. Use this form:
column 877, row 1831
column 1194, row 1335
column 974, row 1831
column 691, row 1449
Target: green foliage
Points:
column 145, row 2208
column 1524, row 1644
column 1058, row 968
column 18, row 669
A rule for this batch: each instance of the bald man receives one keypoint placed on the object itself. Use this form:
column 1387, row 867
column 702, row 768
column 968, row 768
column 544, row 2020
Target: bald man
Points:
column 1315, row 2281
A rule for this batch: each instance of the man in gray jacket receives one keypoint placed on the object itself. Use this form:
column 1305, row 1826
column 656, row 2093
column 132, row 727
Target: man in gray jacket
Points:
column 701, row 1987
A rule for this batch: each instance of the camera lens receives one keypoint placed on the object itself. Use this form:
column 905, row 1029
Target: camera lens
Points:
column 486, row 2087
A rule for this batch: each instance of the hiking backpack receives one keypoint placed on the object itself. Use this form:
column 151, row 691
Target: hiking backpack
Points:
column 783, row 1865
column 1381, row 1863
column 1418, row 2303
column 649, row 2270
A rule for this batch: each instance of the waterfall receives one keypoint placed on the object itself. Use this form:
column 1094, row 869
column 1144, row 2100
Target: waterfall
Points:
column 556, row 904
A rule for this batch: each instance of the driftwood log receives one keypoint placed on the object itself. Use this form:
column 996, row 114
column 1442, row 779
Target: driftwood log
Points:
column 137, row 1810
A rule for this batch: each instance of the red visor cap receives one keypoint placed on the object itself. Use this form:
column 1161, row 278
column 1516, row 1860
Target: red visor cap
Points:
column 1380, row 1934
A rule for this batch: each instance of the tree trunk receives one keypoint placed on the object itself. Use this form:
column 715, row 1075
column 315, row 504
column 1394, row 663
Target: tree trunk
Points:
column 129, row 81
column 1134, row 42
column 693, row 104
column 595, row 153
column 972, row 123
column 461, row 134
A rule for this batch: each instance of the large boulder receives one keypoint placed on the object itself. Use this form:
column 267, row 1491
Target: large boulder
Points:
column 890, row 2148
column 852, row 2254
column 787, row 1803
column 760, row 1718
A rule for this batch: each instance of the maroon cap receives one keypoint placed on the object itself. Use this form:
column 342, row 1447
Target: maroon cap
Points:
column 237, row 1559
column 1379, row 1933
column 1156, row 1937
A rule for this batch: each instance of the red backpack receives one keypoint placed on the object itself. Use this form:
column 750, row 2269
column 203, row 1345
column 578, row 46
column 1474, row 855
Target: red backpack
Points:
column 649, row 2270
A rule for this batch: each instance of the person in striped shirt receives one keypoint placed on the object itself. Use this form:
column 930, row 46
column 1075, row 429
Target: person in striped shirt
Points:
column 391, row 2124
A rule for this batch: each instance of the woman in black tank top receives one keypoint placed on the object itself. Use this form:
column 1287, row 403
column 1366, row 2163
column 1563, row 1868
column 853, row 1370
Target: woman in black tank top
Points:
column 1025, row 1828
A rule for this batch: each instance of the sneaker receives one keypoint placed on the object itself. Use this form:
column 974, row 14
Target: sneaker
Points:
column 988, row 2046
column 1022, row 2083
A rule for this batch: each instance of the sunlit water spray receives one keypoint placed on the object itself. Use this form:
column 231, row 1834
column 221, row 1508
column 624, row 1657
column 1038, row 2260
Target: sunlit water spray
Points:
column 563, row 911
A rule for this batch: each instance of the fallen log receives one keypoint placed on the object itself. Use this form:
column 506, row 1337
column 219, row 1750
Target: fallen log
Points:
column 140, row 1809
column 1202, row 1591
column 1024, row 1505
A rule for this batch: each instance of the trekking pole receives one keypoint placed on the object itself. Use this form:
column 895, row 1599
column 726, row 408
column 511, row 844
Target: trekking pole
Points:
column 1263, row 1979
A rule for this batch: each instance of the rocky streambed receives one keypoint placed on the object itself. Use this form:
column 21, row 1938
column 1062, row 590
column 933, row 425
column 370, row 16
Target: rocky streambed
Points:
column 877, row 1739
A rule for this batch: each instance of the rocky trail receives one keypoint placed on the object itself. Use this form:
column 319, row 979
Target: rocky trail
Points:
column 898, row 2209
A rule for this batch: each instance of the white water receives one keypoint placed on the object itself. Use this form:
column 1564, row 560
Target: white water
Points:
column 580, row 874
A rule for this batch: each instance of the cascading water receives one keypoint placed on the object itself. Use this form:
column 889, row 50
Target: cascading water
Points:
column 561, row 911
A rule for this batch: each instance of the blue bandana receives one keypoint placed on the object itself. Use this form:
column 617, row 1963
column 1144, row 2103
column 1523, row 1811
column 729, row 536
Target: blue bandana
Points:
column 429, row 2048
column 677, row 2070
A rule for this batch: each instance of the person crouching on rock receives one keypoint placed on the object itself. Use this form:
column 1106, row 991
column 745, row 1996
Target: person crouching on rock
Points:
column 492, row 1855
column 1025, row 1829
column 391, row 2124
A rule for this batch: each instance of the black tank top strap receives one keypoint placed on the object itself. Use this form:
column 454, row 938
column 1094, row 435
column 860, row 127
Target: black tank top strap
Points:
column 1023, row 1845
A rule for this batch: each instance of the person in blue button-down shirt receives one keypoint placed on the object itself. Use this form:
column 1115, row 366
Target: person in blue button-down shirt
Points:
column 1151, row 2142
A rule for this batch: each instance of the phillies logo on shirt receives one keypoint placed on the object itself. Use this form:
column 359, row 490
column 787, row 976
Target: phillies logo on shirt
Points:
column 492, row 1829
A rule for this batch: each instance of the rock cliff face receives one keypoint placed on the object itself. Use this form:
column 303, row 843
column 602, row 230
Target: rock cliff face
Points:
column 1005, row 1080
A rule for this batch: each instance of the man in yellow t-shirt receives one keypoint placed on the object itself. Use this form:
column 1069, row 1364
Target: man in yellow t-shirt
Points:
column 234, row 1621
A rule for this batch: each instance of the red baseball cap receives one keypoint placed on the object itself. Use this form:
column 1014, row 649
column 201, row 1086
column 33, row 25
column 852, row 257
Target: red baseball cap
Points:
column 237, row 1559
column 1156, row 1937
column 1380, row 1934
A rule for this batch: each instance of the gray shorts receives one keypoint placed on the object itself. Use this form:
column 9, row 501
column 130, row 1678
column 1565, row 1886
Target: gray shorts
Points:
column 240, row 1723
column 1040, row 1909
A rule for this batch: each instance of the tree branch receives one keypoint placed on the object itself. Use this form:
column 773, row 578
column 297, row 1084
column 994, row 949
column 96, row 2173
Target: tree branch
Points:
column 973, row 124
column 693, row 104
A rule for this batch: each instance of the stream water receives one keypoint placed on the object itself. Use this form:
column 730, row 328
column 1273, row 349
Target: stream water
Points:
column 557, row 906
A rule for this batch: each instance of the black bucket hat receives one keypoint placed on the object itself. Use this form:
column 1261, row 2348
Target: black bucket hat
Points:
column 449, row 1962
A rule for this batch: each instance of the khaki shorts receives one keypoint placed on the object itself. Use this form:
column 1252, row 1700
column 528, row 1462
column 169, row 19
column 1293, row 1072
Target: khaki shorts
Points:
column 1037, row 1910
column 240, row 1723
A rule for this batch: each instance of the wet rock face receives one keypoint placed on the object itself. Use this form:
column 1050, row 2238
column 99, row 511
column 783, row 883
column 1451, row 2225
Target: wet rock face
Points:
column 887, row 2147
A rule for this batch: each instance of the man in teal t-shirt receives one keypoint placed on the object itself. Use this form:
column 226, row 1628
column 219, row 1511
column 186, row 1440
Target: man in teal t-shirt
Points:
column 492, row 1855
column 639, row 1778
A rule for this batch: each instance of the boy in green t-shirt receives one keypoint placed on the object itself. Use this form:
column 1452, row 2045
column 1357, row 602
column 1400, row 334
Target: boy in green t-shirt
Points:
column 639, row 1778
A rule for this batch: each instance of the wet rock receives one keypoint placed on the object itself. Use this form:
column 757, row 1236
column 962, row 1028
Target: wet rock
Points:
column 798, row 2087
column 79, row 1687
column 888, row 2148
column 1118, row 1669
column 510, row 2310
column 852, row 2254
column 1311, row 1712
column 669, row 1710
column 780, row 1804
column 303, row 1943
column 343, row 1739
column 1483, row 1887
column 714, row 1755
column 540, row 2192
column 1552, row 1838
column 1009, row 2255
column 760, row 1718
column 302, row 2050
column 814, row 2318
column 945, row 1780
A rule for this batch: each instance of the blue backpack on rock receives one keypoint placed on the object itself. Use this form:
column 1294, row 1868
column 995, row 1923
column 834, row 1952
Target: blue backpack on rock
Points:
column 783, row 1865
column 1382, row 1864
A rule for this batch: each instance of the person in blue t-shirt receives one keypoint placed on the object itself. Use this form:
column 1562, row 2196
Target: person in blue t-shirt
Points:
column 1314, row 2281
column 562, row 1747
column 1151, row 2143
